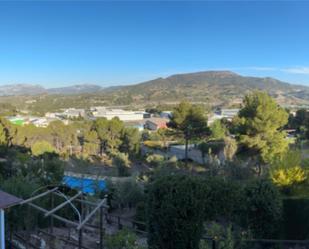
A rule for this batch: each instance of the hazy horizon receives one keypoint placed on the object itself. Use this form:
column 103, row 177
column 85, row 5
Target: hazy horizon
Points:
column 57, row 44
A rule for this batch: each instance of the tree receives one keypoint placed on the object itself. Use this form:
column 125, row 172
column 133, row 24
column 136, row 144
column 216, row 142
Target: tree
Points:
column 301, row 117
column 109, row 132
column 41, row 147
column 7, row 132
column 115, row 129
column 101, row 127
column 259, row 125
column 131, row 140
column 63, row 135
column 91, row 143
column 217, row 130
column 189, row 121
column 175, row 211
column 3, row 137
column 263, row 209
column 230, row 148
column 122, row 163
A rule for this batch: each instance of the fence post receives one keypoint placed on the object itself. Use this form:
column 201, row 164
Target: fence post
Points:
column 101, row 227
column 119, row 223
column 52, row 200
column 214, row 243
column 80, row 239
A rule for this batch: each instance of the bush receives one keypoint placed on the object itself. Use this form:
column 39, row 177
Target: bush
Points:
column 286, row 172
column 155, row 160
column 222, row 234
column 263, row 209
column 175, row 211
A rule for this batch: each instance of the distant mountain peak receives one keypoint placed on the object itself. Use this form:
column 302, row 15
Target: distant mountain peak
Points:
column 212, row 73
column 75, row 89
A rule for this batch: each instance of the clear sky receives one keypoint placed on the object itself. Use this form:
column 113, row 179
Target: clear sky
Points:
column 57, row 43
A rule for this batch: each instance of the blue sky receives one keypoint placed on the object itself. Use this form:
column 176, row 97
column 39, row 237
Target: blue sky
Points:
column 57, row 43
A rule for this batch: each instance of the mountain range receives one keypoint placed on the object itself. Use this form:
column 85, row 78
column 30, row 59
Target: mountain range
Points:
column 29, row 89
column 215, row 87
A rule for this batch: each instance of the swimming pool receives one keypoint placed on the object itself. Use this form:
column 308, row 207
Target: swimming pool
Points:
column 86, row 185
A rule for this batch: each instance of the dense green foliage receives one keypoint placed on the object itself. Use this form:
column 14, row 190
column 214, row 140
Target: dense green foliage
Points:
column 223, row 199
column 263, row 209
column 258, row 126
column 80, row 138
column 41, row 147
column 217, row 130
column 122, row 163
column 175, row 213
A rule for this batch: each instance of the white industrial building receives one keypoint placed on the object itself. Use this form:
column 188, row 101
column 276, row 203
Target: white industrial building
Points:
column 74, row 113
column 229, row 114
column 102, row 112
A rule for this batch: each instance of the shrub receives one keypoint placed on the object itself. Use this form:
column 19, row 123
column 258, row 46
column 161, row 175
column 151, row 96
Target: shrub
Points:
column 288, row 176
column 124, row 239
column 175, row 212
column 155, row 159
column 286, row 171
column 222, row 234
column 263, row 208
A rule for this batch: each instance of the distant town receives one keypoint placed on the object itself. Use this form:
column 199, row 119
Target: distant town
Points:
column 137, row 119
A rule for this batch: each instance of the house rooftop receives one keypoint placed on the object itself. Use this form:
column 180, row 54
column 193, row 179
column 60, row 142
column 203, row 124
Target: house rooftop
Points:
column 158, row 120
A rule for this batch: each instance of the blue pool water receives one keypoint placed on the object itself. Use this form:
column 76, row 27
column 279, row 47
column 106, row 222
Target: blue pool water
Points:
column 86, row 185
